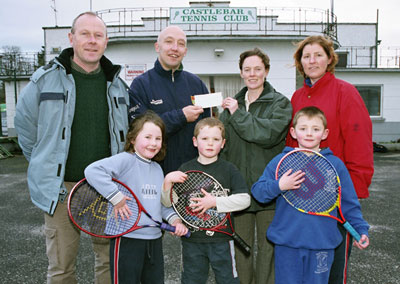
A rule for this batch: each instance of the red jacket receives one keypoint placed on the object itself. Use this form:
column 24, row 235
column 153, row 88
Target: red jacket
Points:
column 350, row 127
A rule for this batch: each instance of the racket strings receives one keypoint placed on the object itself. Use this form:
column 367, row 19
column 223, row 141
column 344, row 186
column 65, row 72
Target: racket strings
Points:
column 182, row 200
column 95, row 214
column 115, row 225
column 89, row 209
column 319, row 191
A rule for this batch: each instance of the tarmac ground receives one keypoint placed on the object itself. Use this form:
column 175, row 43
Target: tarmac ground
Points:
column 23, row 251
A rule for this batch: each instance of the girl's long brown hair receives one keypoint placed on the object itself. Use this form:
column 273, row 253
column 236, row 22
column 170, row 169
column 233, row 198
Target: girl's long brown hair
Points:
column 137, row 125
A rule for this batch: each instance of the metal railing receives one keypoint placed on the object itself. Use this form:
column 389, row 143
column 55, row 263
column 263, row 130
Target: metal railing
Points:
column 293, row 21
column 298, row 21
column 369, row 57
column 389, row 57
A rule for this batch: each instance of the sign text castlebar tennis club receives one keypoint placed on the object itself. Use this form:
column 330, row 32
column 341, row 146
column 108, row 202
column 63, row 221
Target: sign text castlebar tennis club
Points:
column 213, row 15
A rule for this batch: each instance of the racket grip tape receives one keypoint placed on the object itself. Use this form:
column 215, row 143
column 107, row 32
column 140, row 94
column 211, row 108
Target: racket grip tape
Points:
column 169, row 228
column 352, row 231
column 241, row 243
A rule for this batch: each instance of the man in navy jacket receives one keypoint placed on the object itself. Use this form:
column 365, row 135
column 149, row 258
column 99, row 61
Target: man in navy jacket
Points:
column 167, row 90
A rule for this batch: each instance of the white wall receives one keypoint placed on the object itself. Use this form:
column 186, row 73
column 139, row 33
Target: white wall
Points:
column 201, row 59
column 55, row 38
column 356, row 34
column 10, row 103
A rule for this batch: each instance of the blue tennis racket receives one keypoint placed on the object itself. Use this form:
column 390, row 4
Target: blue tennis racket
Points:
column 320, row 193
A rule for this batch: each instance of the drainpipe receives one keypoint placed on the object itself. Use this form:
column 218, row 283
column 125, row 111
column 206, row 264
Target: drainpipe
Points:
column 376, row 38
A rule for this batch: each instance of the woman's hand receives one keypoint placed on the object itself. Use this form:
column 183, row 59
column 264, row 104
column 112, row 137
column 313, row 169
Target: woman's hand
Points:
column 231, row 104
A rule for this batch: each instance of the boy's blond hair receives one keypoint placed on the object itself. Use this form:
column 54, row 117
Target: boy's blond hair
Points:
column 310, row 112
column 210, row 122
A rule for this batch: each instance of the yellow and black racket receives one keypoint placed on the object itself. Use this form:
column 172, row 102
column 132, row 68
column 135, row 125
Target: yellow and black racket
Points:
column 94, row 214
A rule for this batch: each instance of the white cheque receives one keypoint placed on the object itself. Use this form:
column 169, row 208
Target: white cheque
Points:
column 208, row 100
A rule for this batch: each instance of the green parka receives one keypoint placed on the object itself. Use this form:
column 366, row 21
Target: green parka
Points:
column 256, row 136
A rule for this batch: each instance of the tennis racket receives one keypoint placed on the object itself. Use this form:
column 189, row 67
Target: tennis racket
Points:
column 320, row 192
column 94, row 214
column 210, row 221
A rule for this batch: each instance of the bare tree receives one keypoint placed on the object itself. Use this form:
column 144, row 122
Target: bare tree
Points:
column 13, row 62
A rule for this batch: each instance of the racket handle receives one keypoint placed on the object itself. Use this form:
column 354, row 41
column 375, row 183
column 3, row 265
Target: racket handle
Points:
column 352, row 231
column 169, row 228
column 241, row 243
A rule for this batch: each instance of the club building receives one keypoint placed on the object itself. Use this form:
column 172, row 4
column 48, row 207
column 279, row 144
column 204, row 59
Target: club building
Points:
column 217, row 33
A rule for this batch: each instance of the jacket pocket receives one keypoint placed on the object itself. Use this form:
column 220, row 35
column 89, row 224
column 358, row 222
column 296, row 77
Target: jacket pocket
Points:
column 51, row 246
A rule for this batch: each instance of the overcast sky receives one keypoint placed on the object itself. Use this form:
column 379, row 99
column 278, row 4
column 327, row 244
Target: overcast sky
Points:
column 21, row 21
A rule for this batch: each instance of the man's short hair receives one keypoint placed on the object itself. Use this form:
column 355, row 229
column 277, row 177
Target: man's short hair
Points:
column 86, row 13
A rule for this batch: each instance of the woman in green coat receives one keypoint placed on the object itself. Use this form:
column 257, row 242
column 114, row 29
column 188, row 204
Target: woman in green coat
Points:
column 256, row 123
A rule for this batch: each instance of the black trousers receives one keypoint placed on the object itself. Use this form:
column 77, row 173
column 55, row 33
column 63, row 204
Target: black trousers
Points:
column 136, row 261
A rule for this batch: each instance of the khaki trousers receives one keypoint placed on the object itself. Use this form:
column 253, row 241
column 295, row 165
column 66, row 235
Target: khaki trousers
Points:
column 62, row 244
column 250, row 225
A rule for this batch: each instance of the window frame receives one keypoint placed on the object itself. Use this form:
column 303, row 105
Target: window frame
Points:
column 380, row 86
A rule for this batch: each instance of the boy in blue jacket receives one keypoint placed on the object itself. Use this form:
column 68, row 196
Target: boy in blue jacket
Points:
column 304, row 244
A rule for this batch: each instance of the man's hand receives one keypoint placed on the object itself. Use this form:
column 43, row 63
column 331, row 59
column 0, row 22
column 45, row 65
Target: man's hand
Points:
column 192, row 112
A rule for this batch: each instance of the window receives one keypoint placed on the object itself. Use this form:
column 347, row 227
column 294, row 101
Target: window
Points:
column 372, row 98
column 55, row 50
column 342, row 63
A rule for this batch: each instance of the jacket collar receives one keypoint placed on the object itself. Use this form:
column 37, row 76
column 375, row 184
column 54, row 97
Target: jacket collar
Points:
column 109, row 69
column 267, row 93
column 321, row 82
column 167, row 73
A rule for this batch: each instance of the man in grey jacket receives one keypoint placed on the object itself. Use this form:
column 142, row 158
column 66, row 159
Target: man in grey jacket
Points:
column 72, row 113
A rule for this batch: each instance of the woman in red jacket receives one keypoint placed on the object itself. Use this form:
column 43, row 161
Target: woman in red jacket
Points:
column 350, row 127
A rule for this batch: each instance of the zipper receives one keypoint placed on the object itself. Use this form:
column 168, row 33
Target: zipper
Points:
column 113, row 120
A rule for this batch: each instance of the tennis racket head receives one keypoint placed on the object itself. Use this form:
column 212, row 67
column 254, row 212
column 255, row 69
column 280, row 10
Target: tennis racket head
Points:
column 320, row 191
column 182, row 193
column 94, row 214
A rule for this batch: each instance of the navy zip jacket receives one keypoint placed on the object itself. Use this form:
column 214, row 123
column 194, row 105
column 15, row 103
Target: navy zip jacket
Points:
column 166, row 93
column 295, row 229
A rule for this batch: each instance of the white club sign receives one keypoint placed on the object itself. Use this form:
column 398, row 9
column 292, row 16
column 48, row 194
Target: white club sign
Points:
column 213, row 15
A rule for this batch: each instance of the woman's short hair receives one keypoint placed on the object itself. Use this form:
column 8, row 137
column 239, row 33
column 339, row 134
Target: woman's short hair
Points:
column 325, row 42
column 254, row 52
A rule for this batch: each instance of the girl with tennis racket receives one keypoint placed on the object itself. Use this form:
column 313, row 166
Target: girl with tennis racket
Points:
column 201, row 201
column 137, row 256
column 309, row 185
